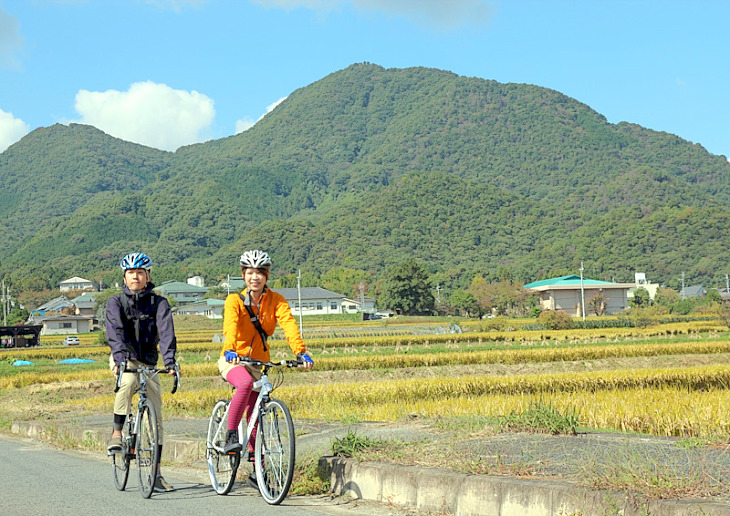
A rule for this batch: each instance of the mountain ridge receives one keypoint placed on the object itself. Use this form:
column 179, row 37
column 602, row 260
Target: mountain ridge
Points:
column 334, row 156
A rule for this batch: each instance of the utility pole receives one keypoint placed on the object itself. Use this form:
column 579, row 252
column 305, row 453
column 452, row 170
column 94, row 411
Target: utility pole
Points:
column 299, row 293
column 682, row 291
column 582, row 294
column 5, row 305
column 438, row 294
column 362, row 296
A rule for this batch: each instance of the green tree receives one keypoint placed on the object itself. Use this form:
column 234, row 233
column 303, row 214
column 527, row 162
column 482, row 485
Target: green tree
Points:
column 100, row 303
column 17, row 314
column 406, row 290
column 345, row 281
column 713, row 297
column 465, row 302
column 641, row 298
column 666, row 296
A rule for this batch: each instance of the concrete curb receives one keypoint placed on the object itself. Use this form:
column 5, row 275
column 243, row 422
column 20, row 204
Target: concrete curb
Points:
column 427, row 489
column 173, row 450
column 442, row 491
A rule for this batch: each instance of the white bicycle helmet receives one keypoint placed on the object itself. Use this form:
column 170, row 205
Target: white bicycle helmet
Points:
column 255, row 260
column 136, row 261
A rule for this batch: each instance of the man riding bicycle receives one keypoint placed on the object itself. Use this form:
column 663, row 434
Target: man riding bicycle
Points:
column 138, row 321
column 249, row 319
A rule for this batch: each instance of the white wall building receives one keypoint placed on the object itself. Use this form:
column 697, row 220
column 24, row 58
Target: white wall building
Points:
column 76, row 283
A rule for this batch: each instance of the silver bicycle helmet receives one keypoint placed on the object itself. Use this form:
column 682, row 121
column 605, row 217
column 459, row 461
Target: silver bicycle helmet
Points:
column 136, row 261
column 255, row 260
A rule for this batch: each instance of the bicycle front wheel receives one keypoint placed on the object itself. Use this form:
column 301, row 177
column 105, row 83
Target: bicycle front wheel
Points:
column 221, row 466
column 120, row 468
column 147, row 449
column 275, row 451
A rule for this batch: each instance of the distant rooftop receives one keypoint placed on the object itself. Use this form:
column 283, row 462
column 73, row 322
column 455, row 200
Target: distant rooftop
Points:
column 570, row 280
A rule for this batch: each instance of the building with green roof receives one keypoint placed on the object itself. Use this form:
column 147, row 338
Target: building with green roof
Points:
column 569, row 293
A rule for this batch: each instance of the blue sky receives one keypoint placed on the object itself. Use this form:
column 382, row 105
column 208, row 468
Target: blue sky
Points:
column 167, row 73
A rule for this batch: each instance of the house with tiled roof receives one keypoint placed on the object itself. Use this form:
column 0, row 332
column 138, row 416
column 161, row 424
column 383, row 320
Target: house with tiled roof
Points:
column 76, row 283
column 568, row 293
column 210, row 308
column 181, row 292
column 313, row 300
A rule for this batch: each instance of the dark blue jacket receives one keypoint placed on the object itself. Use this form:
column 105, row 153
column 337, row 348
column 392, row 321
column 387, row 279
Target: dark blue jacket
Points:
column 137, row 323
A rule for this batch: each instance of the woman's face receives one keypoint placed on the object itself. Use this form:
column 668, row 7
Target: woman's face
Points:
column 255, row 279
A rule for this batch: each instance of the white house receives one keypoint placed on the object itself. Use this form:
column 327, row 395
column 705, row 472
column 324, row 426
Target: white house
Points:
column 357, row 305
column 65, row 324
column 210, row 308
column 76, row 283
column 314, row 300
column 642, row 282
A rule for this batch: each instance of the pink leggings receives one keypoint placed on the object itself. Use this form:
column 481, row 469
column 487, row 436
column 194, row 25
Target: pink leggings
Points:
column 244, row 399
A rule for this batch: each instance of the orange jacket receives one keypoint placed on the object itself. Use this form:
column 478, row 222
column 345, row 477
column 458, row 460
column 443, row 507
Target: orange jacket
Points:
column 241, row 335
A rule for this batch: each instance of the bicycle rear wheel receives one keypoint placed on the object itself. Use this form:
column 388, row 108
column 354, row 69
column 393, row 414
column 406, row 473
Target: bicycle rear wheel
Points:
column 222, row 467
column 120, row 468
column 147, row 449
column 275, row 451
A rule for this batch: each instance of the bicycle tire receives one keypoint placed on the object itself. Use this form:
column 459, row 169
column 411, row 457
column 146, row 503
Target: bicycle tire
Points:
column 222, row 467
column 147, row 449
column 120, row 468
column 275, row 451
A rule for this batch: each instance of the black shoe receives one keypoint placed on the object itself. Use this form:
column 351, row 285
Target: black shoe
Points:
column 232, row 444
column 251, row 481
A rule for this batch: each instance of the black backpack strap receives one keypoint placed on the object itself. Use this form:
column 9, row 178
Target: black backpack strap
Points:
column 254, row 318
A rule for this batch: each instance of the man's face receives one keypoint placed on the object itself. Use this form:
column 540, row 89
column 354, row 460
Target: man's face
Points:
column 135, row 279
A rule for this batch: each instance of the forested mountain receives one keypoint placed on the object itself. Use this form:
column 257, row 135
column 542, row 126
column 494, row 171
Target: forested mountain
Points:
column 369, row 167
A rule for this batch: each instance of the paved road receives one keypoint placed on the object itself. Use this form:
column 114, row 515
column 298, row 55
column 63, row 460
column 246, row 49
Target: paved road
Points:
column 39, row 479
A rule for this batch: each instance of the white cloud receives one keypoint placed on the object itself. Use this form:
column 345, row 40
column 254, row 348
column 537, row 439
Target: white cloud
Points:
column 439, row 14
column 11, row 43
column 11, row 129
column 246, row 123
column 148, row 113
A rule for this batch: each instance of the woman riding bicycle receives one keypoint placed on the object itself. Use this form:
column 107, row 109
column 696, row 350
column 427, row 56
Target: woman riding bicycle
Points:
column 249, row 318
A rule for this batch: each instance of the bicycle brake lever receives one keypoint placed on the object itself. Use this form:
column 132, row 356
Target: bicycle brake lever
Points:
column 120, row 371
column 176, row 383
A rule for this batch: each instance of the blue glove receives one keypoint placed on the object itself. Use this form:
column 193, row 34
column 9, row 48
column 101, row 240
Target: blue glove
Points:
column 230, row 355
column 303, row 358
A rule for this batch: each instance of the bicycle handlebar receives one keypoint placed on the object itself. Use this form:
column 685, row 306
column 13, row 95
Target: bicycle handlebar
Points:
column 123, row 369
column 281, row 363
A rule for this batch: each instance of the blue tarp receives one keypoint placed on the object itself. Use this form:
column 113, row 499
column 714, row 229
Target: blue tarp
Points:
column 22, row 362
column 76, row 361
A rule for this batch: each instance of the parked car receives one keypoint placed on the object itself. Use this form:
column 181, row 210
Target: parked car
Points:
column 71, row 341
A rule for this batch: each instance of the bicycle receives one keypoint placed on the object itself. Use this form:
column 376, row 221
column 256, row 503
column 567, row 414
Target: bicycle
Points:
column 140, row 439
column 274, row 451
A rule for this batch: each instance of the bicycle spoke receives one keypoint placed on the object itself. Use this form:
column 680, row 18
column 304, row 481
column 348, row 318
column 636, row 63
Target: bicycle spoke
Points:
column 222, row 467
column 275, row 452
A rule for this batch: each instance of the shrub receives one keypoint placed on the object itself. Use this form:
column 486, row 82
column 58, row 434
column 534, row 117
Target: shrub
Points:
column 555, row 320
column 495, row 324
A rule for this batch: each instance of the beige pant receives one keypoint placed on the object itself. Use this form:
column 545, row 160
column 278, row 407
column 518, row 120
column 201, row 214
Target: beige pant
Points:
column 130, row 385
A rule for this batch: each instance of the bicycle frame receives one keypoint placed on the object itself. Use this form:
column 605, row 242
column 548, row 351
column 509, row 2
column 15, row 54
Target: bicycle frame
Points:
column 273, row 481
column 264, row 387
column 146, row 453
